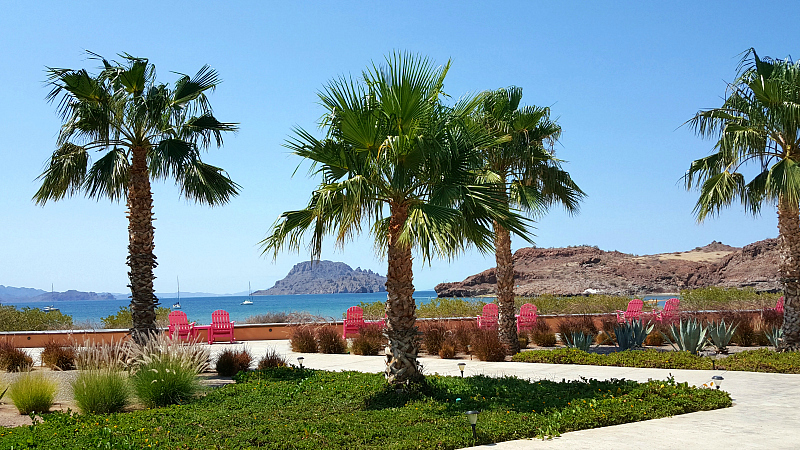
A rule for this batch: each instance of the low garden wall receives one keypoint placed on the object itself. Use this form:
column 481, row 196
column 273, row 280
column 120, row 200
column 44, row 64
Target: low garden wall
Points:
column 242, row 332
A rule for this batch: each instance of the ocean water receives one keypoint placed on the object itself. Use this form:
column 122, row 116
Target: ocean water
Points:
column 199, row 309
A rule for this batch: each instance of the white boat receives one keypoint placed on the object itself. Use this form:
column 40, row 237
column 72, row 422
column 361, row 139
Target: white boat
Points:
column 177, row 304
column 249, row 301
column 50, row 308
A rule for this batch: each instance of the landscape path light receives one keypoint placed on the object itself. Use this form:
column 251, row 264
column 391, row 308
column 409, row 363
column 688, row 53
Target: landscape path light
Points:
column 717, row 380
column 473, row 420
column 461, row 366
column 300, row 360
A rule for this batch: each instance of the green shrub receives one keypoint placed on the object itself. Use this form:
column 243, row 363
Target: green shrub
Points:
column 164, row 371
column 124, row 319
column 302, row 340
column 272, row 359
column 32, row 319
column 13, row 359
column 101, row 391
column 57, row 356
column 486, row 346
column 369, row 341
column 329, row 340
column 630, row 358
column 230, row 362
column 717, row 298
column 762, row 360
column 440, row 308
column 32, row 392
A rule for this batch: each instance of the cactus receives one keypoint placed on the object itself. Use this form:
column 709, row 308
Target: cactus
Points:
column 631, row 335
column 774, row 336
column 580, row 340
column 689, row 336
column 720, row 334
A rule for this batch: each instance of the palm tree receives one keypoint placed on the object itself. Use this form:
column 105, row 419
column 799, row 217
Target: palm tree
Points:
column 530, row 178
column 145, row 130
column 759, row 122
column 396, row 159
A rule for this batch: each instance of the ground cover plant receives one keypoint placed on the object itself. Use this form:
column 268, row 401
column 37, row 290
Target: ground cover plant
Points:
column 306, row 409
column 761, row 360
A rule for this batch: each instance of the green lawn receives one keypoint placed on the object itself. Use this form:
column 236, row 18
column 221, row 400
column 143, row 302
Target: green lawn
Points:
column 293, row 408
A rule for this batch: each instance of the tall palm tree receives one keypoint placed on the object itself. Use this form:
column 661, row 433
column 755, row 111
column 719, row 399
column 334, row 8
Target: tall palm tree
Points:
column 145, row 130
column 530, row 178
column 396, row 159
column 759, row 123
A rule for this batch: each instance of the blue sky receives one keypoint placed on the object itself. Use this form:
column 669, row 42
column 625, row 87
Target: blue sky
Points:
column 622, row 77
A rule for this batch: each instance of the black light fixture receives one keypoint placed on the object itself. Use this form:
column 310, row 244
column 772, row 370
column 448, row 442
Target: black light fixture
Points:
column 300, row 360
column 473, row 420
column 717, row 380
column 461, row 366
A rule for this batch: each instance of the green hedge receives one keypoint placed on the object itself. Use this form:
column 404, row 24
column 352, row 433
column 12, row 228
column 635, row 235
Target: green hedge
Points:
column 762, row 360
column 284, row 408
column 32, row 319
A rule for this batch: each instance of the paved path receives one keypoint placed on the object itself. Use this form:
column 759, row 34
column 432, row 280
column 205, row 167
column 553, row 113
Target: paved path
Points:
column 765, row 412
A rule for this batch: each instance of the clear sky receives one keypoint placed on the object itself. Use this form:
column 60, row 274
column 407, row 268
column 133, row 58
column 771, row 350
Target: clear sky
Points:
column 622, row 77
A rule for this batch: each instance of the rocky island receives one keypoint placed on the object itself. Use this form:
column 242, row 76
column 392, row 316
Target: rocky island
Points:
column 326, row 277
column 588, row 270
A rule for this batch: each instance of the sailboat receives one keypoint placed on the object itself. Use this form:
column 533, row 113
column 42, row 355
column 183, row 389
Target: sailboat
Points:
column 177, row 304
column 249, row 300
column 51, row 308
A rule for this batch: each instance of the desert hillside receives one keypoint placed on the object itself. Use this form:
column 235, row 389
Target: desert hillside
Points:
column 583, row 270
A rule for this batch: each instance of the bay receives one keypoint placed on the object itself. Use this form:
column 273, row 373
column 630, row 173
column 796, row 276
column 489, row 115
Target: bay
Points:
column 199, row 309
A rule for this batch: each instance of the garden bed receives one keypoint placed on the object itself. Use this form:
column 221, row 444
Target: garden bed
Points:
column 760, row 360
column 290, row 407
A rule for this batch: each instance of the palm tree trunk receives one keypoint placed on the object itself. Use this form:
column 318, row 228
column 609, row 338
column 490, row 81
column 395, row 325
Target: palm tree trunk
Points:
column 507, row 321
column 401, row 318
column 141, row 259
column 789, row 269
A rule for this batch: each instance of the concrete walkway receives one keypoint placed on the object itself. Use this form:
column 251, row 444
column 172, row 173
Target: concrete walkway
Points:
column 765, row 412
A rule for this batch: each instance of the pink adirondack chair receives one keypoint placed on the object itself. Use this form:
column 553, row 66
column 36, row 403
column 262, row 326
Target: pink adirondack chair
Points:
column 526, row 318
column 670, row 312
column 353, row 321
column 779, row 306
column 221, row 327
column 488, row 320
column 634, row 311
column 179, row 324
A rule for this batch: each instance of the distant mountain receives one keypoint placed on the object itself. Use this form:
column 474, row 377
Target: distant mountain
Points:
column 326, row 277
column 8, row 292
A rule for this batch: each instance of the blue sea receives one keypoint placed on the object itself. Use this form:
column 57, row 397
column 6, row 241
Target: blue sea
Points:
column 199, row 309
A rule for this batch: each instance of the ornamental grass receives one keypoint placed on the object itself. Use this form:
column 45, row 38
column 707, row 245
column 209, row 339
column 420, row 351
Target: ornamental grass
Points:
column 32, row 392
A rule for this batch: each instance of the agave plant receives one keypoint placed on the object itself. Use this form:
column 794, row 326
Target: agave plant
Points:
column 580, row 340
column 720, row 333
column 774, row 336
column 689, row 336
column 631, row 335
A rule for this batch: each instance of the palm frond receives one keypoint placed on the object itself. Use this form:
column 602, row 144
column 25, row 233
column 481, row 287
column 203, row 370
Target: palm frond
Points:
column 108, row 176
column 206, row 184
column 64, row 174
